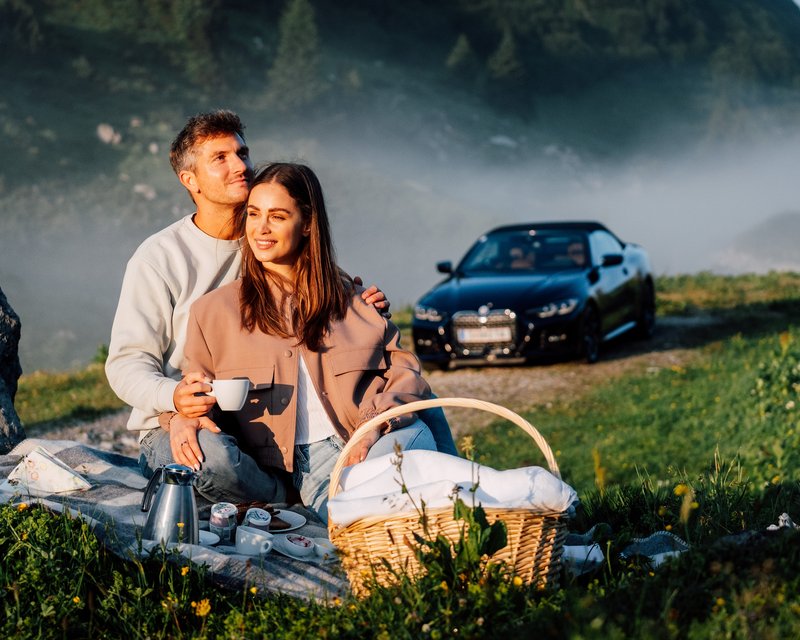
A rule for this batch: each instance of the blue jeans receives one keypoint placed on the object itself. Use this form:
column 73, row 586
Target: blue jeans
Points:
column 226, row 475
column 437, row 423
column 314, row 462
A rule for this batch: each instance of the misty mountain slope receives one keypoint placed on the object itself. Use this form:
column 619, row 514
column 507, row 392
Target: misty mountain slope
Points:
column 672, row 121
column 771, row 245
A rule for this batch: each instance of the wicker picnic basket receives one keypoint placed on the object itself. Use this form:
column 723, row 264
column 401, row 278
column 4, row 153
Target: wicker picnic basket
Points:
column 535, row 539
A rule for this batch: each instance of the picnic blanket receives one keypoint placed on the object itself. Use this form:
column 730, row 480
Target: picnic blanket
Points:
column 112, row 505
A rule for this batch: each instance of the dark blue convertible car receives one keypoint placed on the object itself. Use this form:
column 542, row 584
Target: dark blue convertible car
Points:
column 531, row 290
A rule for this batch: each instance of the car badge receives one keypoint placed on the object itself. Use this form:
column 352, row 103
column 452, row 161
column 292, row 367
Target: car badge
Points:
column 484, row 309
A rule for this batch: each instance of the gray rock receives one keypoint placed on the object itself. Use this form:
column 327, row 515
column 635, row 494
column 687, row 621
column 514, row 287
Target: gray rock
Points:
column 11, row 431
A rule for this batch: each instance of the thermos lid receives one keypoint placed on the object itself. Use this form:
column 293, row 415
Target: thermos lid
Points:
column 178, row 474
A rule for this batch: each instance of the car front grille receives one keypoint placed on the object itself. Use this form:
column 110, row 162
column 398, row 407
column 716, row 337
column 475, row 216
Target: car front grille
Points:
column 468, row 326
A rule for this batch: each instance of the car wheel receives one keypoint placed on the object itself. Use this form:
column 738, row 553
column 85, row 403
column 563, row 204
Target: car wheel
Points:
column 590, row 335
column 646, row 323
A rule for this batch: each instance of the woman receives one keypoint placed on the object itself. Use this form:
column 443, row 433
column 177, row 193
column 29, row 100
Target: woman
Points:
column 320, row 361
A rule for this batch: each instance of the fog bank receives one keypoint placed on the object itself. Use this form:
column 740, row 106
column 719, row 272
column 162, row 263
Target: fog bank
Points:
column 398, row 206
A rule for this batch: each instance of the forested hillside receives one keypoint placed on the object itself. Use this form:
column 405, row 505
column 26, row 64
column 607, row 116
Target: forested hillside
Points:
column 427, row 121
column 723, row 67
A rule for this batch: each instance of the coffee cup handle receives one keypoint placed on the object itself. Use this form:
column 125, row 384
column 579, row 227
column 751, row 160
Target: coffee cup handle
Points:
column 266, row 547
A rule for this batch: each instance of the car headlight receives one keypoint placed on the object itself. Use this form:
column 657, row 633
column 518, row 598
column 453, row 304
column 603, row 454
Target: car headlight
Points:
column 428, row 313
column 560, row 308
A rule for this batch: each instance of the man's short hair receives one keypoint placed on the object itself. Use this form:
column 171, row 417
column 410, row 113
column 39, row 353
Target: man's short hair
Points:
column 198, row 129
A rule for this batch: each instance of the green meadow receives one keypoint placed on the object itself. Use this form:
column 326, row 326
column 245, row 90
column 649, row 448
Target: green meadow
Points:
column 708, row 449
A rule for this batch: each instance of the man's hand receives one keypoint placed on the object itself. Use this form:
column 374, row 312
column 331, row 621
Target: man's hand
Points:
column 183, row 439
column 186, row 398
column 359, row 453
column 375, row 297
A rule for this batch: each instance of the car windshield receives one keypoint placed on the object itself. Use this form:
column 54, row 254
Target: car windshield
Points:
column 526, row 251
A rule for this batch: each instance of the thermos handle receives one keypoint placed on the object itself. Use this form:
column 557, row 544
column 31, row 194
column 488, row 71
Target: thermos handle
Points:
column 150, row 489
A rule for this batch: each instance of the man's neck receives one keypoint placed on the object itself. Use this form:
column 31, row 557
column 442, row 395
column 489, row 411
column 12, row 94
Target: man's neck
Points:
column 216, row 221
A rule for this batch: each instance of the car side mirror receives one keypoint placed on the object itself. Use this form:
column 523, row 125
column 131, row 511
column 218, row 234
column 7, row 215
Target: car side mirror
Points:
column 612, row 259
column 444, row 267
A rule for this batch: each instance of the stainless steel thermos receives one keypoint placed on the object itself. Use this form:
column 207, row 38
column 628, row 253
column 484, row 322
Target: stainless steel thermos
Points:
column 172, row 513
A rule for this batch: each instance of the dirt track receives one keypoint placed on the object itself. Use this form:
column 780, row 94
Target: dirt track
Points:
column 518, row 388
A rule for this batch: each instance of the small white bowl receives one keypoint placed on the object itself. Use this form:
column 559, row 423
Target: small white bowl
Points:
column 324, row 548
column 299, row 545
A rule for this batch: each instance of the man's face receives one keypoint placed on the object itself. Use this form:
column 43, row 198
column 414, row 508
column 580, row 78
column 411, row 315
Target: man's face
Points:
column 222, row 171
column 576, row 252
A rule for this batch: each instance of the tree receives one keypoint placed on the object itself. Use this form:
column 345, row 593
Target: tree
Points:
column 503, row 64
column 18, row 25
column 294, row 77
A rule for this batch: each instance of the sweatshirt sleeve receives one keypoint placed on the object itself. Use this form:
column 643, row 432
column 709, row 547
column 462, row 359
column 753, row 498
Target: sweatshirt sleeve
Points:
column 403, row 382
column 141, row 338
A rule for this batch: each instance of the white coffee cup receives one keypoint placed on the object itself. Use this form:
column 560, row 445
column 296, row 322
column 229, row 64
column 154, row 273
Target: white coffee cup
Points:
column 253, row 542
column 230, row 394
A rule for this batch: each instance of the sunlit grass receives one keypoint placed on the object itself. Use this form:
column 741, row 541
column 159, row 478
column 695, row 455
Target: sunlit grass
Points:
column 46, row 400
column 706, row 291
column 707, row 451
column 740, row 397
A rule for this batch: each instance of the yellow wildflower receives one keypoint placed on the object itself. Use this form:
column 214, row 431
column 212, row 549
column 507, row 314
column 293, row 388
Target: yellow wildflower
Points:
column 517, row 581
column 76, row 599
column 668, row 527
column 203, row 608
column 694, row 504
column 720, row 602
column 662, row 511
column 22, row 506
column 181, row 525
column 254, row 590
column 681, row 490
column 184, row 570
column 443, row 586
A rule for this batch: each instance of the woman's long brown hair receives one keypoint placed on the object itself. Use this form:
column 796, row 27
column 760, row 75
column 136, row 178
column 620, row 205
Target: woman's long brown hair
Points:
column 322, row 291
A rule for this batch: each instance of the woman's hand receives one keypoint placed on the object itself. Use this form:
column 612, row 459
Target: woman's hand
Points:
column 375, row 297
column 183, row 439
column 360, row 451
column 188, row 397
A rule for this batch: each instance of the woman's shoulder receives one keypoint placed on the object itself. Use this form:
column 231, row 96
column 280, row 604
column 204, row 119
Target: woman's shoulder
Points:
column 224, row 295
column 361, row 313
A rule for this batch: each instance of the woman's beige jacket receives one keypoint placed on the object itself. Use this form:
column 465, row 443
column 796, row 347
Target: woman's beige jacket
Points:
column 359, row 371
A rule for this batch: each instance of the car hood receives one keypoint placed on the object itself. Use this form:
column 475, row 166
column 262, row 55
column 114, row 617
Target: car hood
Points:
column 503, row 292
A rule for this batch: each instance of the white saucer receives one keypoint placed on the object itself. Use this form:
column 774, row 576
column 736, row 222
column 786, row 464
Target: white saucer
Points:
column 283, row 547
column 208, row 538
column 294, row 520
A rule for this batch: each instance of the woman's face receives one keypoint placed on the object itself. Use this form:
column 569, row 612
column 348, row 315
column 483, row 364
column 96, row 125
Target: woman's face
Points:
column 275, row 228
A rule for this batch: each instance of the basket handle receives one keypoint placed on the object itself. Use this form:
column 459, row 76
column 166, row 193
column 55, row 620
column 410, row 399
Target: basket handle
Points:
column 467, row 403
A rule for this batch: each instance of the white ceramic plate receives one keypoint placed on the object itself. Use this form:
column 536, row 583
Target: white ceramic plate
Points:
column 295, row 521
column 283, row 547
column 208, row 538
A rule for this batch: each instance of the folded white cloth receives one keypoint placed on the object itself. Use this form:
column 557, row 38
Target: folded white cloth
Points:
column 40, row 473
column 373, row 487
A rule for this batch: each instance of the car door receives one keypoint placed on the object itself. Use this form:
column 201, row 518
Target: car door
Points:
column 611, row 288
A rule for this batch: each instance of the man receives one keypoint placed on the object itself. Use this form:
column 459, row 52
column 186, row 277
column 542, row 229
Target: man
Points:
column 166, row 274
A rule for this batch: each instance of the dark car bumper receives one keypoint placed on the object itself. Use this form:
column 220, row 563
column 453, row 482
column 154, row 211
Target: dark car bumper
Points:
column 515, row 339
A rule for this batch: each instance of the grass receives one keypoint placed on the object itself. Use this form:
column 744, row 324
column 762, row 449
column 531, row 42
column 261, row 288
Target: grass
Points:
column 686, row 294
column 47, row 400
column 709, row 451
column 740, row 398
